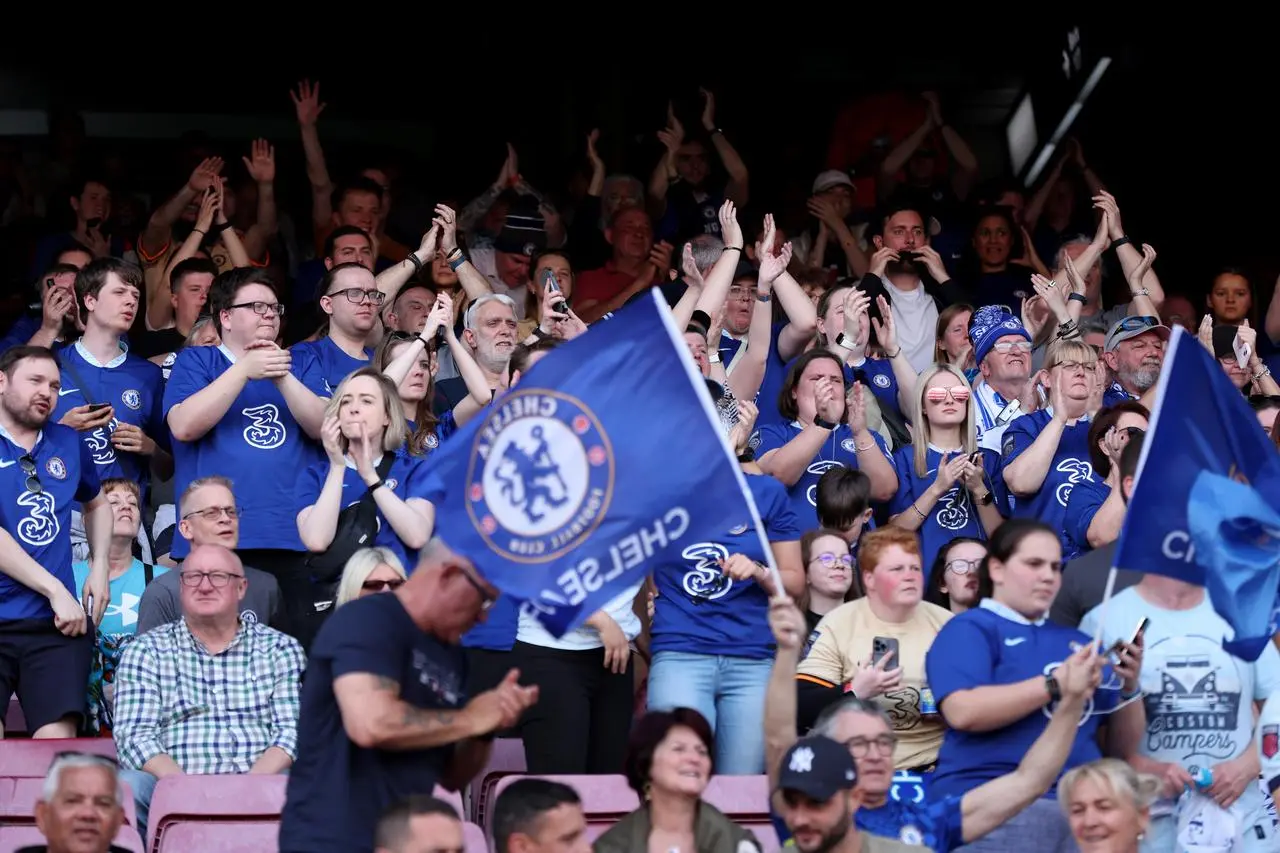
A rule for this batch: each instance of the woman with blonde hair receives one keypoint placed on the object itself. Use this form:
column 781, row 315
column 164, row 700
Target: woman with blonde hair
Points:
column 947, row 485
column 365, row 489
column 369, row 572
column 1108, row 805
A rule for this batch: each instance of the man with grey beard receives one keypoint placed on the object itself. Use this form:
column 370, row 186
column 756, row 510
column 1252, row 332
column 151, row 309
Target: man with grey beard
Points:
column 1133, row 353
column 489, row 331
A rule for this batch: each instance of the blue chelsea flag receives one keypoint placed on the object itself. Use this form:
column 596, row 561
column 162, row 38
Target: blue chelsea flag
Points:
column 1205, row 501
column 605, row 459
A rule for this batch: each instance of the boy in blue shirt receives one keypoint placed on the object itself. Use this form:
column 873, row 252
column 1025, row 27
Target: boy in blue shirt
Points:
column 44, row 469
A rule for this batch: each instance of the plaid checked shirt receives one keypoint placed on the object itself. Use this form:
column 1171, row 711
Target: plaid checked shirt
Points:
column 209, row 713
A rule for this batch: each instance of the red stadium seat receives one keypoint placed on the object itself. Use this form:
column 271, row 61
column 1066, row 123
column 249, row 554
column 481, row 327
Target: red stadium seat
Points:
column 241, row 799
column 605, row 799
column 16, row 837
column 506, row 757
column 18, row 801
column 473, row 837
column 27, row 757
column 227, row 837
column 745, row 801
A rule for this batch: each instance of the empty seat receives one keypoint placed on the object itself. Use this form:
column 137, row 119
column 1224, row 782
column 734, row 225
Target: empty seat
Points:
column 605, row 799
column 506, row 757
column 229, row 837
column 739, row 796
column 18, row 799
column 453, row 798
column 14, row 722
column 32, row 757
column 243, row 799
column 473, row 838
column 16, row 837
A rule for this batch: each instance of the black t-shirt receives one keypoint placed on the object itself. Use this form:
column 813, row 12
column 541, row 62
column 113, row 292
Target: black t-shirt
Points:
column 149, row 343
column 337, row 790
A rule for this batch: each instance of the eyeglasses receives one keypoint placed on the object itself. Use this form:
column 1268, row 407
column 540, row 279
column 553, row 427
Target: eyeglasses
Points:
column 1134, row 432
column 956, row 394
column 486, row 600
column 830, row 560
column 1005, row 347
column 380, row 586
column 963, row 567
column 741, row 294
column 861, row 746
column 28, row 464
column 262, row 309
column 1074, row 366
column 214, row 513
column 193, row 579
column 358, row 295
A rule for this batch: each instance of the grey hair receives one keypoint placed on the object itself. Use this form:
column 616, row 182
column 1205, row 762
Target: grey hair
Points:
column 469, row 320
column 1059, row 260
column 78, row 761
column 358, row 568
column 826, row 722
column 202, row 482
column 707, row 249
column 630, row 180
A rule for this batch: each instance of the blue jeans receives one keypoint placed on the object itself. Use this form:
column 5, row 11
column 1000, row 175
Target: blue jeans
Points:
column 728, row 691
column 143, row 785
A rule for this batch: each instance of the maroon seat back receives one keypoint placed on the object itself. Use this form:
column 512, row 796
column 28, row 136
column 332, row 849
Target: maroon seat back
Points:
column 18, row 799
column 246, row 799
column 226, row 837
column 506, row 757
column 25, row 757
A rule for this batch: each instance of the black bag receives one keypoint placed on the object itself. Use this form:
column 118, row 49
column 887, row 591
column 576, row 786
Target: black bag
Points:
column 357, row 528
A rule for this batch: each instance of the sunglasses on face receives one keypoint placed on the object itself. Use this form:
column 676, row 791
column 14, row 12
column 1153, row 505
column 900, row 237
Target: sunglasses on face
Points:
column 381, row 586
column 938, row 395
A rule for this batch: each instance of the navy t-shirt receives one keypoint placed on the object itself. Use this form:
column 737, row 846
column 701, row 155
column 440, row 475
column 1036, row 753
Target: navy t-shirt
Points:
column 40, row 520
column 337, row 790
column 700, row 609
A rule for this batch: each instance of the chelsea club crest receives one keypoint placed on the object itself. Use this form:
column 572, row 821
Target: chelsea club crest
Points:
column 540, row 478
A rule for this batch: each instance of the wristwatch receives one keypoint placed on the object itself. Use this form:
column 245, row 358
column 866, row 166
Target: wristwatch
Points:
column 1051, row 684
column 987, row 500
column 845, row 342
column 819, row 422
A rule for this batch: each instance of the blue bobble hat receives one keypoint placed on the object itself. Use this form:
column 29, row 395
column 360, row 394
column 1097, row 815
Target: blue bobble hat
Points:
column 988, row 325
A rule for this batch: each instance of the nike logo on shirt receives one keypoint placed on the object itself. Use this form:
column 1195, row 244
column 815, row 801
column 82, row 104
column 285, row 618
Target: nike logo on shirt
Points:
column 62, row 392
column 7, row 464
column 1015, row 641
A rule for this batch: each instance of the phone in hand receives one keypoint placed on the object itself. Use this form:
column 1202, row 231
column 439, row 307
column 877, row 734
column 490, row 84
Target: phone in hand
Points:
column 98, row 407
column 549, row 280
column 1142, row 626
column 1244, row 352
column 881, row 646
column 975, row 458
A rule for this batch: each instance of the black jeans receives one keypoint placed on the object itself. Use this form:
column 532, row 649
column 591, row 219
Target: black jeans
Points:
column 582, row 719
column 304, row 603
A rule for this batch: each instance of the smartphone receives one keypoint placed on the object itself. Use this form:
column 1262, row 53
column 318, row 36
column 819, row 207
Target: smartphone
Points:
column 90, row 224
column 881, row 646
column 1244, row 352
column 549, row 280
column 1043, row 395
column 1142, row 626
column 975, row 458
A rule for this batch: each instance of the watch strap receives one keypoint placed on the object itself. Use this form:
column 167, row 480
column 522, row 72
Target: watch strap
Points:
column 819, row 422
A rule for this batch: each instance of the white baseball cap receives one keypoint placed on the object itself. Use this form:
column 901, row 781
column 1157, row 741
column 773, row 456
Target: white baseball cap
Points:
column 832, row 178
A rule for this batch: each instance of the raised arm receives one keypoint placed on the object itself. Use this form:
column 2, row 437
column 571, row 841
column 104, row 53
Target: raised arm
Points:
column 307, row 104
column 739, row 181
column 1144, row 284
column 261, row 165
column 160, row 301
column 671, row 137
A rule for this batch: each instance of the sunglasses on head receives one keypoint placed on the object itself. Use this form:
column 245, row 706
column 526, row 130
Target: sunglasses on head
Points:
column 938, row 395
column 1129, row 324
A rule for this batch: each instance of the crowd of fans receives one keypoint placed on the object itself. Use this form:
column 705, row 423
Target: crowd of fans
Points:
column 217, row 455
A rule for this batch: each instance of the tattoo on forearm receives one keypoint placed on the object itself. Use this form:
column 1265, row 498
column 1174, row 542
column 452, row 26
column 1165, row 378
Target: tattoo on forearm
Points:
column 428, row 717
column 384, row 683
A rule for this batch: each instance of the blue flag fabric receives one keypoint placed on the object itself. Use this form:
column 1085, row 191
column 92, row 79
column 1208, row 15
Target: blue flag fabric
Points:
column 604, row 460
column 1201, row 423
column 1237, row 536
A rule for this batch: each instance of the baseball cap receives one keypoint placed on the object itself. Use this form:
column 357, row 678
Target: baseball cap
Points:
column 832, row 178
column 817, row 767
column 523, row 231
column 1131, row 327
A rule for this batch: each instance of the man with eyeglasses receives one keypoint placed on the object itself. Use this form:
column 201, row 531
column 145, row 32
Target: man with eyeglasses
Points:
column 350, row 298
column 242, row 407
column 81, row 808
column 385, row 714
column 208, row 516
column 44, row 469
column 1134, row 354
column 1003, row 388
column 907, row 813
column 210, row 693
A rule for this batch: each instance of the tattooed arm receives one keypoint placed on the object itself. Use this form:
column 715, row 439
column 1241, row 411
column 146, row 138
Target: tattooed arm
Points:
column 375, row 717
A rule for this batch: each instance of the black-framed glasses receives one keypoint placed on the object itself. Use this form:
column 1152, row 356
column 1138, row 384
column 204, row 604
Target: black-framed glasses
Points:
column 963, row 567
column 486, row 600
column 382, row 586
column 861, row 746
column 28, row 465
column 213, row 513
column 829, row 560
column 262, row 309
column 1134, row 432
column 218, row 580
column 358, row 295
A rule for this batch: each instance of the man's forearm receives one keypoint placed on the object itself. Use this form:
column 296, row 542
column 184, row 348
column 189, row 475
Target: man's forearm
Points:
column 1044, row 760
column 98, row 524
column 780, row 708
column 273, row 760
column 161, row 765
column 17, row 564
column 405, row 727
column 470, row 757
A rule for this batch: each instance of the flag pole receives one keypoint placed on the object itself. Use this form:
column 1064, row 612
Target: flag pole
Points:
column 698, row 382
